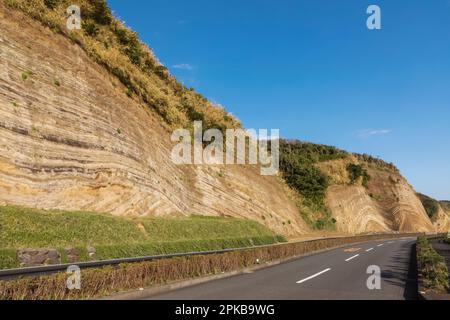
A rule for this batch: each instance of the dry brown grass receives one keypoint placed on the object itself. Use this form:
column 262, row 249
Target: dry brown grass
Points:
column 108, row 280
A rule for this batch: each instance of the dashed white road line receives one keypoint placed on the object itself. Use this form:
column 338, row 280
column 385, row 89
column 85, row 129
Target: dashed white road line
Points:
column 368, row 250
column 391, row 242
column 380, row 245
column 351, row 258
column 314, row 276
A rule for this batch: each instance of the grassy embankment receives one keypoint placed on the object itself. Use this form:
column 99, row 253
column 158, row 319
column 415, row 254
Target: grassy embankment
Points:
column 117, row 237
column 299, row 166
column 432, row 267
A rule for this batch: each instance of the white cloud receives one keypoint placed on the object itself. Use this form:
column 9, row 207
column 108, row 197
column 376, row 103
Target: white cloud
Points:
column 373, row 132
column 183, row 66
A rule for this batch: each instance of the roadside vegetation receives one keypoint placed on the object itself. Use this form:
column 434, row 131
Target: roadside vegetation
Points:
column 432, row 267
column 118, row 237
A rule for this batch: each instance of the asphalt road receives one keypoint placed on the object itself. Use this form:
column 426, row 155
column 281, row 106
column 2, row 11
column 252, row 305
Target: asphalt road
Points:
column 337, row 274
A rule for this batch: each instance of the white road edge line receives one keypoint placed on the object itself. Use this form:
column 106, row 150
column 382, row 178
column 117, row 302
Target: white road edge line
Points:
column 314, row 276
column 351, row 258
column 368, row 250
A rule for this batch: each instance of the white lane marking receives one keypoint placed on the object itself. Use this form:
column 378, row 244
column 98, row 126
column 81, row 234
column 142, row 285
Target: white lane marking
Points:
column 391, row 242
column 314, row 276
column 351, row 258
column 380, row 245
column 368, row 250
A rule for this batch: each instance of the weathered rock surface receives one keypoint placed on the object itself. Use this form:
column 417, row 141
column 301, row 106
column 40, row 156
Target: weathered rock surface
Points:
column 71, row 139
column 388, row 203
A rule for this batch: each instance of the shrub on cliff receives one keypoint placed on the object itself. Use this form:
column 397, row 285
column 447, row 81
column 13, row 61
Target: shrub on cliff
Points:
column 432, row 267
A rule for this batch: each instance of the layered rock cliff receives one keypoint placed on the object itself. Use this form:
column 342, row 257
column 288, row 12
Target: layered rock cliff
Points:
column 71, row 138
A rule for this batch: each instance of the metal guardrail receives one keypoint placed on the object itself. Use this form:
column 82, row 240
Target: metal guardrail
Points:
column 10, row 274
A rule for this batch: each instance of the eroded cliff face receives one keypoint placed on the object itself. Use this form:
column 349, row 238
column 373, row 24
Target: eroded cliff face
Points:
column 71, row 138
column 387, row 203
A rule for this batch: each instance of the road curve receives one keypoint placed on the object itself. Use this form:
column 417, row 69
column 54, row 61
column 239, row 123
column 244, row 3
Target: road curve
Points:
column 339, row 274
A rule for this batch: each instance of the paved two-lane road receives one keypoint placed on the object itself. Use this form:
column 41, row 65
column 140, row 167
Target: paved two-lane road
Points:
column 336, row 274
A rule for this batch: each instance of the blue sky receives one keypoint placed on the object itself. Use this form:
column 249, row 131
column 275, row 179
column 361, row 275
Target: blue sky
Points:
column 314, row 70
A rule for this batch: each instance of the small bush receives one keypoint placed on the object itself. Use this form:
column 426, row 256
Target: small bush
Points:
column 381, row 164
